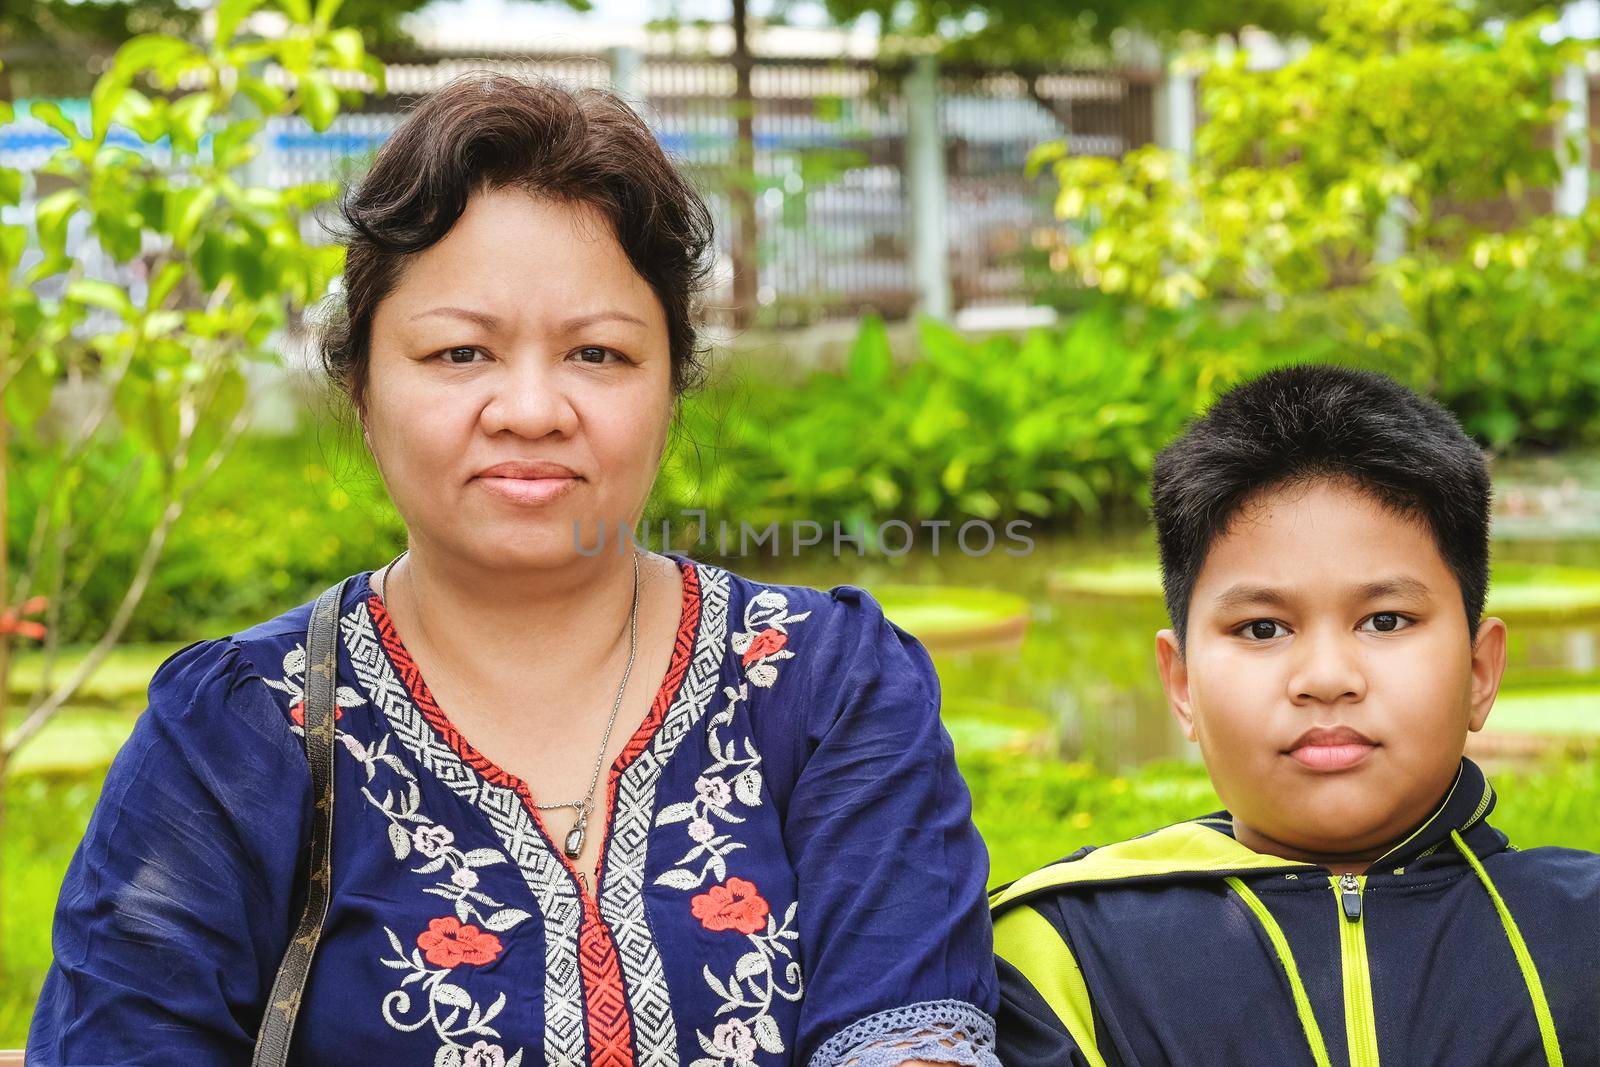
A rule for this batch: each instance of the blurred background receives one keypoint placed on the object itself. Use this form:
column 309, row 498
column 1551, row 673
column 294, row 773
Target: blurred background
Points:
column 976, row 263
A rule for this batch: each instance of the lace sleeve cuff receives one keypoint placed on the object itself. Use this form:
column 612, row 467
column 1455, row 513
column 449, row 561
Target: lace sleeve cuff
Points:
column 939, row 1031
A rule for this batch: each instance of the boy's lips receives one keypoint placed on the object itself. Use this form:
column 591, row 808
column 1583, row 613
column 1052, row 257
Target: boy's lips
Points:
column 1335, row 748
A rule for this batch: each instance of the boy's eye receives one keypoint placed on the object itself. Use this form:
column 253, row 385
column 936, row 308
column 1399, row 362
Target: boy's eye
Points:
column 1260, row 629
column 1386, row 622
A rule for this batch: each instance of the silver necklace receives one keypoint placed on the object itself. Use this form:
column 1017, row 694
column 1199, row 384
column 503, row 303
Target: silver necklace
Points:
column 573, row 844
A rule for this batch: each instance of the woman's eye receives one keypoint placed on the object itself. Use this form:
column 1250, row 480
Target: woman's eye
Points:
column 1387, row 622
column 459, row 356
column 594, row 354
column 1261, row 629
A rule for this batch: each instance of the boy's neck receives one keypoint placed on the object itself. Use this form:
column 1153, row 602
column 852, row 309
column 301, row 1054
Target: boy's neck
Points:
column 1335, row 862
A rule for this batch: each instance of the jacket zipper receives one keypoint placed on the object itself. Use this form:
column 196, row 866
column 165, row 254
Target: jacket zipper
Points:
column 1360, row 1022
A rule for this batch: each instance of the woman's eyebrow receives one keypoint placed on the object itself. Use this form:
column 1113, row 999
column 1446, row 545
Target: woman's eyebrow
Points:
column 492, row 324
column 616, row 314
column 482, row 318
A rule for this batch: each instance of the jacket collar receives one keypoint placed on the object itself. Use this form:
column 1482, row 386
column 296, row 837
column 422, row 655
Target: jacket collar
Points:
column 1465, row 808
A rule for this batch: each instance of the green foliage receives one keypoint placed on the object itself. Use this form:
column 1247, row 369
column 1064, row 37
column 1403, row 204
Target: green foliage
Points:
column 1349, row 190
column 125, row 398
column 1403, row 111
column 1061, row 425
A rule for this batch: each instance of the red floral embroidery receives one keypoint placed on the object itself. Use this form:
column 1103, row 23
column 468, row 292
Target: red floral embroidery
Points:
column 735, row 905
column 765, row 644
column 297, row 712
column 446, row 943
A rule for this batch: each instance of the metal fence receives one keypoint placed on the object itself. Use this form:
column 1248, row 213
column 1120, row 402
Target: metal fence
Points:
column 833, row 216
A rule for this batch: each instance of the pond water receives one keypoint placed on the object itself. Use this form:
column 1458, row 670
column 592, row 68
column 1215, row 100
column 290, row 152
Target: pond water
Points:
column 1089, row 664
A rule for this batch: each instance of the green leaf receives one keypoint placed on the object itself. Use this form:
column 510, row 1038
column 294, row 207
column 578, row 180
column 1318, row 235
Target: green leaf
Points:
column 319, row 100
column 164, row 284
column 229, row 14
column 51, row 216
column 27, row 394
column 213, row 259
column 187, row 119
column 326, row 11
column 299, row 10
column 271, row 99
column 102, row 294
column 347, row 48
column 13, row 241
column 870, row 361
column 235, row 144
column 147, row 51
column 185, row 209
column 49, row 112
column 10, row 186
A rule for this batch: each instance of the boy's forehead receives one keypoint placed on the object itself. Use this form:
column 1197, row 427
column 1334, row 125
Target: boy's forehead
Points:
column 1320, row 540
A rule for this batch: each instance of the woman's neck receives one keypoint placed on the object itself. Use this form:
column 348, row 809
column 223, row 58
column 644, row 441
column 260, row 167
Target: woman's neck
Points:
column 531, row 631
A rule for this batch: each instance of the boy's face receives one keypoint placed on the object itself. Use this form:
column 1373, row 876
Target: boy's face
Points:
column 1329, row 677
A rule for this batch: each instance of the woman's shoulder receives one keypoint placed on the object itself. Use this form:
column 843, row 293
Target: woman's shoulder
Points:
column 235, row 680
column 835, row 638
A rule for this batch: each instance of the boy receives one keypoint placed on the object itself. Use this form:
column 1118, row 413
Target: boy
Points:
column 1324, row 540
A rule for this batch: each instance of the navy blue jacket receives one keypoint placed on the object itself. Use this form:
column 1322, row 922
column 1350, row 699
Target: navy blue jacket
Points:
column 1185, row 947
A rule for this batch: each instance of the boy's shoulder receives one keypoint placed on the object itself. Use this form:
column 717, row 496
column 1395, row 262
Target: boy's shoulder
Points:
column 1194, row 849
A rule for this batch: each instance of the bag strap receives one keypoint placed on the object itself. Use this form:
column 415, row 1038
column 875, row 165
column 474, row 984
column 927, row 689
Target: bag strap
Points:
column 277, row 1022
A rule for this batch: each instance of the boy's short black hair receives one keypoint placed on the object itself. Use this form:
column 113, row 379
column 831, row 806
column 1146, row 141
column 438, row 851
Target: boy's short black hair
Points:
column 1311, row 422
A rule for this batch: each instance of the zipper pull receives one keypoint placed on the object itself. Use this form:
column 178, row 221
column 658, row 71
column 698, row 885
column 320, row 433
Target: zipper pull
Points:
column 1350, row 897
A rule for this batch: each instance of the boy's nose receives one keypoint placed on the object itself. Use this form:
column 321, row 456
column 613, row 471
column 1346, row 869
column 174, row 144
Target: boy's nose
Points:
column 1327, row 670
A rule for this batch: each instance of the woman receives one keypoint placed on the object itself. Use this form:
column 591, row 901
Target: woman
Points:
column 592, row 806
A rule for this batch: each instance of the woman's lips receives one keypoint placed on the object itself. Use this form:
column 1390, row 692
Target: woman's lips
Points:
column 528, row 491
column 1339, row 757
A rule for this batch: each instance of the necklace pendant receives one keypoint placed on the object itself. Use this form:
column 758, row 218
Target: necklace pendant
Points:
column 574, row 843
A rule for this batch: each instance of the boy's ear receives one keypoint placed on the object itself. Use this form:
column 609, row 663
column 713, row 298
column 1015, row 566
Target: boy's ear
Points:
column 1488, row 667
column 1175, row 680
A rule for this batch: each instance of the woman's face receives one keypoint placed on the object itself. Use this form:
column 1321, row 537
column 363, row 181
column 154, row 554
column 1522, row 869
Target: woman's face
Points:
column 518, row 391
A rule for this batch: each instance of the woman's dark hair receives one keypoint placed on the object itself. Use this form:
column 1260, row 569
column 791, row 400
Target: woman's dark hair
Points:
column 1313, row 422
column 488, row 131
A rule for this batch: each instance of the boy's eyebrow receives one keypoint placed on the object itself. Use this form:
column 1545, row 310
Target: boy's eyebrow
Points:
column 1243, row 595
column 1398, row 586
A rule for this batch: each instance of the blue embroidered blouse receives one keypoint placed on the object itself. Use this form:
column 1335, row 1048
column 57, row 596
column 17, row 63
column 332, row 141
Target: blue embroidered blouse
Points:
column 789, row 873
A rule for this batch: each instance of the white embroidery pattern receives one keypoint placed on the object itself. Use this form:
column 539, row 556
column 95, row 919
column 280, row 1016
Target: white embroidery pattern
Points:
column 766, row 632
column 293, row 683
column 622, row 888
column 769, row 971
column 409, row 829
column 451, row 998
column 753, row 987
column 713, row 795
column 559, row 907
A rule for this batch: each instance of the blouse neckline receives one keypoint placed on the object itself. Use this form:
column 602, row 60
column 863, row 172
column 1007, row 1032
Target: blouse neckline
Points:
column 421, row 696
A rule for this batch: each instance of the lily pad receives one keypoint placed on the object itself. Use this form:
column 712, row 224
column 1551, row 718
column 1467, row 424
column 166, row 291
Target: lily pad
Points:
column 1544, row 593
column 989, row 726
column 1556, row 712
column 122, row 680
column 1131, row 578
column 951, row 618
column 77, row 739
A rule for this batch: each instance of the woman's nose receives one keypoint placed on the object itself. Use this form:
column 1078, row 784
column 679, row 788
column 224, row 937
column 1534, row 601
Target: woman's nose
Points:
column 528, row 399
